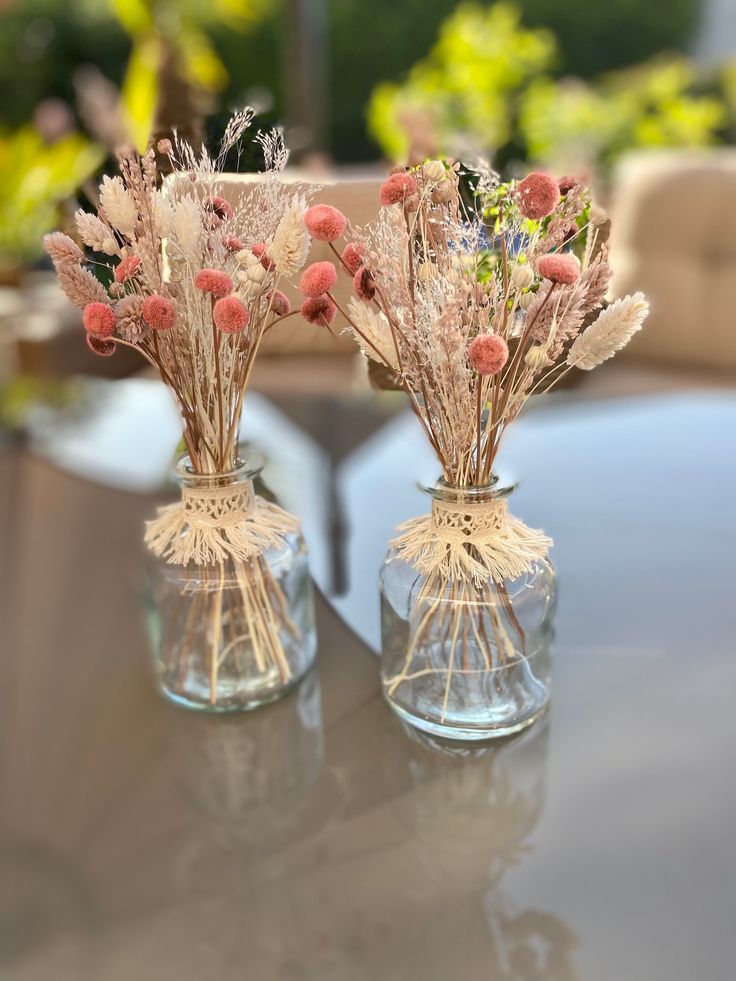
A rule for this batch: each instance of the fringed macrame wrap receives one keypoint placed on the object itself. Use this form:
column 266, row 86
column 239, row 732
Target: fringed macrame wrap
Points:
column 215, row 524
column 471, row 541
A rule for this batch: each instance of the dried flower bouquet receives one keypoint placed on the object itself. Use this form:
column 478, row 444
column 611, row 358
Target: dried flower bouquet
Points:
column 194, row 288
column 471, row 295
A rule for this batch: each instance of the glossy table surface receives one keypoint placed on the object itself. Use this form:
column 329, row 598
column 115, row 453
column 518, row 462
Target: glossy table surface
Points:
column 317, row 838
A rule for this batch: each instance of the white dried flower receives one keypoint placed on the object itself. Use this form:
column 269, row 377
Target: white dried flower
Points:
column 610, row 331
column 434, row 170
column 245, row 257
column 163, row 215
column 522, row 276
column 526, row 300
column 188, row 227
column 256, row 274
column 536, row 357
column 118, row 205
column 95, row 233
column 374, row 326
column 291, row 241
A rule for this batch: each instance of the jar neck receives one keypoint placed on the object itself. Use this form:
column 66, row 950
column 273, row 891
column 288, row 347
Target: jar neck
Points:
column 243, row 473
column 493, row 490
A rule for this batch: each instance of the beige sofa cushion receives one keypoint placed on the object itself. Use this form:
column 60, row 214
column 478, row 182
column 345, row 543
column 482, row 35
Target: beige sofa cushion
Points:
column 674, row 238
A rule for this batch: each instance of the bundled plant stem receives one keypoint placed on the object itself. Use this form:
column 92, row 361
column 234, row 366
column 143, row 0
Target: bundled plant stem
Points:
column 471, row 295
column 193, row 286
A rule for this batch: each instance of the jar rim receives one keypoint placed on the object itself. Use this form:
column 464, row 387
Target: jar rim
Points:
column 441, row 490
column 246, row 468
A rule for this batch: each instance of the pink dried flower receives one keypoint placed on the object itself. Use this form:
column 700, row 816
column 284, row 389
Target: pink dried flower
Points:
column 219, row 208
column 213, row 281
column 127, row 268
column 317, row 279
column 319, row 310
column 559, row 268
column 488, row 353
column 279, row 303
column 62, row 249
column 363, row 284
column 538, row 195
column 100, row 345
column 324, row 222
column 259, row 251
column 99, row 319
column 232, row 243
column 352, row 257
column 397, row 188
column 230, row 315
column 164, row 146
column 128, row 312
column 567, row 183
column 158, row 312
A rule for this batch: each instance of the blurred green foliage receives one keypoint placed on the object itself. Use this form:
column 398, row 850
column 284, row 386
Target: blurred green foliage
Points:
column 232, row 49
column 490, row 80
column 34, row 178
column 466, row 86
column 652, row 105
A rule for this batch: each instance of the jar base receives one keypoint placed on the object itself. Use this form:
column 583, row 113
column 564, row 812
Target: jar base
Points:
column 463, row 733
column 240, row 703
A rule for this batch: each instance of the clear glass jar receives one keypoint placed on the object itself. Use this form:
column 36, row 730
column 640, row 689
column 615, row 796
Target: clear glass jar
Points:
column 231, row 636
column 462, row 660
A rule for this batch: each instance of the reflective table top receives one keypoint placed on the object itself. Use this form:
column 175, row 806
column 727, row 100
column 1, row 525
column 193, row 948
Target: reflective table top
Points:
column 317, row 838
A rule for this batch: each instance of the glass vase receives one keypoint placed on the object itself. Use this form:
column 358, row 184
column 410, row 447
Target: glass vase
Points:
column 468, row 657
column 232, row 634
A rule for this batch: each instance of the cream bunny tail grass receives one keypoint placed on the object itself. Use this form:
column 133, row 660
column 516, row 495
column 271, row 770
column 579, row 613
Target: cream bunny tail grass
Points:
column 472, row 542
column 217, row 525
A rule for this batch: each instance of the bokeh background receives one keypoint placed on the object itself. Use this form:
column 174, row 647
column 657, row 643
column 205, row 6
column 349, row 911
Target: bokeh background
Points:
column 640, row 98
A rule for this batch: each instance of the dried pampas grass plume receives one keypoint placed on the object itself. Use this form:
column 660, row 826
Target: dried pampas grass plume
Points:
column 291, row 241
column 95, row 233
column 80, row 286
column 375, row 331
column 61, row 249
column 610, row 331
column 118, row 205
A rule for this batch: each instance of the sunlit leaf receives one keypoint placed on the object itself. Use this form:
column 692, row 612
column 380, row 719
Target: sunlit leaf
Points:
column 140, row 89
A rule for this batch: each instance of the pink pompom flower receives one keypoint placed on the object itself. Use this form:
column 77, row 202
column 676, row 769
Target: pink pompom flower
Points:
column 317, row 279
column 324, row 222
column 259, row 251
column 99, row 319
column 396, row 189
column 319, row 310
column 559, row 268
column 538, row 195
column 219, row 208
column 230, row 315
column 279, row 303
column 232, row 243
column 213, row 281
column 488, row 353
column 352, row 257
column 127, row 268
column 158, row 312
column 363, row 284
column 101, row 346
